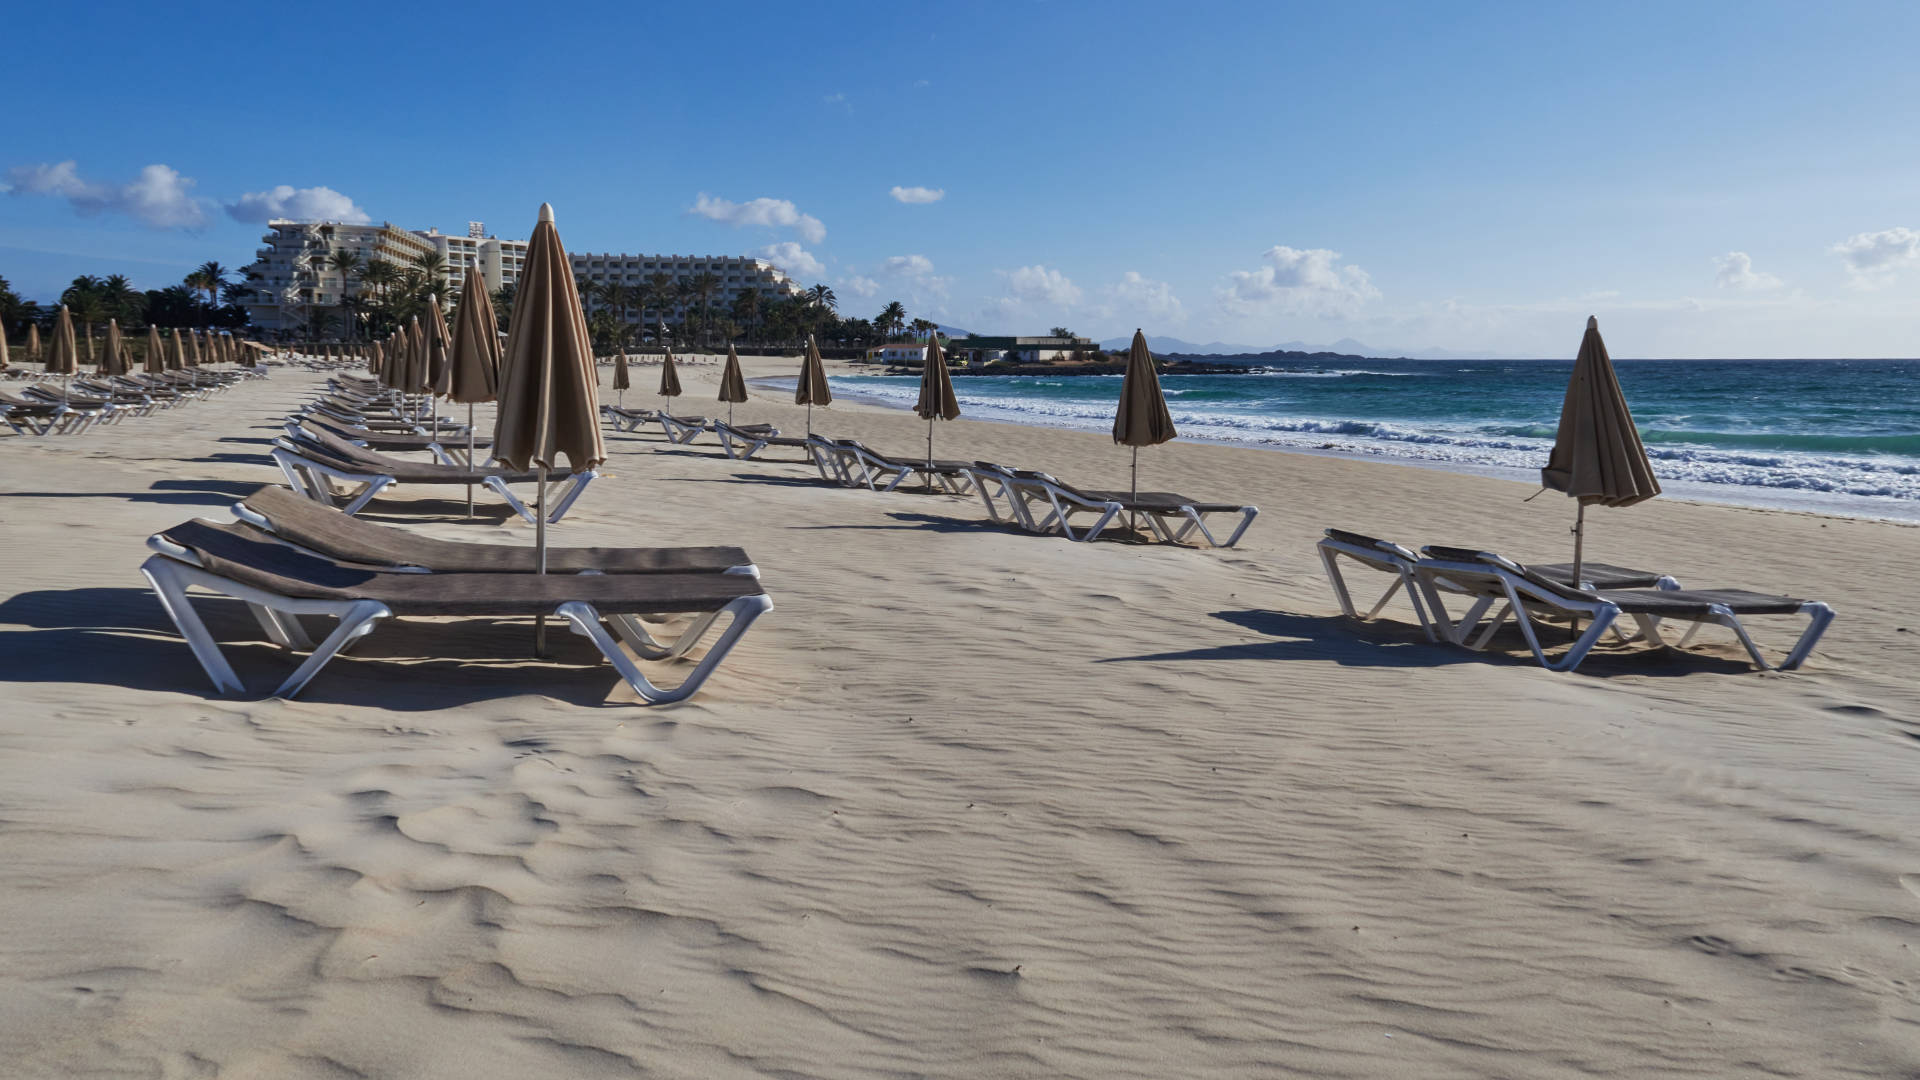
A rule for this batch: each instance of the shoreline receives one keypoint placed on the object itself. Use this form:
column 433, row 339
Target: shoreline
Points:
column 1742, row 496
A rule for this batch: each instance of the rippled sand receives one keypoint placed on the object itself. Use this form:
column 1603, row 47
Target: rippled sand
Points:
column 967, row 803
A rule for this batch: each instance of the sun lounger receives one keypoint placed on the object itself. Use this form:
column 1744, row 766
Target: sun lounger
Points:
column 40, row 418
column 1391, row 558
column 683, row 429
column 101, row 410
column 860, row 466
column 627, row 419
column 280, row 584
column 743, row 441
column 1526, row 594
column 1172, row 517
column 314, row 463
column 331, row 534
column 448, row 449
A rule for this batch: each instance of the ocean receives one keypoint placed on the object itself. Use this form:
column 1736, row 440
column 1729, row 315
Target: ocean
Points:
column 1838, row 436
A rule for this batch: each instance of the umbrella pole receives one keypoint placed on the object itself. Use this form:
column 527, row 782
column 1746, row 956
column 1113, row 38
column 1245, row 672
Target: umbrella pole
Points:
column 1579, row 545
column 809, row 419
column 540, row 560
column 929, row 455
column 1132, row 521
column 470, row 459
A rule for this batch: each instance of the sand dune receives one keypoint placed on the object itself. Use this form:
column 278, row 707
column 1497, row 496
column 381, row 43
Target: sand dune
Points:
column 968, row 803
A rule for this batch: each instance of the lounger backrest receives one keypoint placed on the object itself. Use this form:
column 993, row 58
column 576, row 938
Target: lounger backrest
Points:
column 1492, row 560
column 1385, row 547
column 254, row 558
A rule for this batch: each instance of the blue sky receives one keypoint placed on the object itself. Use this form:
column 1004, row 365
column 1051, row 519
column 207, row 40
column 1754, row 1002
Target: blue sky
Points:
column 1710, row 179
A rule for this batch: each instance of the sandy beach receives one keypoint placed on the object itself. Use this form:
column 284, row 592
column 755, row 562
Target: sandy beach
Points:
column 967, row 803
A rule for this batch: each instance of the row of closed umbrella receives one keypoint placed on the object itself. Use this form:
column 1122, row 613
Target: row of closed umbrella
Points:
column 62, row 357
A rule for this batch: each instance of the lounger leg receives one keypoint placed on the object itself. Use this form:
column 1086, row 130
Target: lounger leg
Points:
column 903, row 472
column 357, row 621
column 570, row 494
column 586, row 622
column 1819, row 616
column 1339, row 584
column 160, row 573
column 374, row 487
column 499, row 487
column 283, row 630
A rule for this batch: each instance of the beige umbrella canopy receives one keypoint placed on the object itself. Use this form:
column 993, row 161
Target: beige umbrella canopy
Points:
column 549, row 388
column 373, row 359
column 1142, row 419
column 473, row 362
column 6, row 357
column 114, row 360
column 63, row 356
column 179, row 360
column 812, row 389
column 33, row 343
column 937, row 401
column 438, row 376
column 669, row 380
column 622, row 379
column 193, row 347
column 1597, row 457
column 156, row 352
column 733, row 385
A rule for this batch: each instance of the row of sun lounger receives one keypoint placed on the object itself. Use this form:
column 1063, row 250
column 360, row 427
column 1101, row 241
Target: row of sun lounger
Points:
column 1531, row 594
column 1027, row 498
column 88, row 402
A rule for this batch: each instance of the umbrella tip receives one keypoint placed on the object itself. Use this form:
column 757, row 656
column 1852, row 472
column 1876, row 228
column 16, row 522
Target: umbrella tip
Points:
column 546, row 211
column 1593, row 322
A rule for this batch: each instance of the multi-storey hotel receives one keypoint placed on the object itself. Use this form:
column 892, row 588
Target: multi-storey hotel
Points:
column 293, row 271
column 732, row 274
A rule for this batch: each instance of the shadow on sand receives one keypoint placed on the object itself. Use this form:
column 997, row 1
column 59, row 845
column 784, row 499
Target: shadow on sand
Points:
column 172, row 492
column 122, row 637
column 1392, row 644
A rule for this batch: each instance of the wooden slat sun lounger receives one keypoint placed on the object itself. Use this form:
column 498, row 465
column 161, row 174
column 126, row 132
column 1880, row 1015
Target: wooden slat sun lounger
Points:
column 281, row 583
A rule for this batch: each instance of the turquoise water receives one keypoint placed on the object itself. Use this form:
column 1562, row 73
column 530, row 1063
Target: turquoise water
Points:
column 1842, row 428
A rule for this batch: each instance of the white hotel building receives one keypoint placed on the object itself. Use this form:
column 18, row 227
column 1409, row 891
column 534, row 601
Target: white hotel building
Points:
column 292, row 272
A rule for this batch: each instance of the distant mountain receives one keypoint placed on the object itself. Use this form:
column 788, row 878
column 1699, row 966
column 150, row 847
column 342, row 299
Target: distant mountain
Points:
column 1344, row 347
column 955, row 332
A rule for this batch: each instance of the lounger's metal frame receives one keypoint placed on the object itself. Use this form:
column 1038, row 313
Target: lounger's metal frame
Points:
column 1492, row 582
column 861, row 467
column 754, row 441
column 316, row 480
column 65, row 419
column 455, row 455
column 628, row 420
column 1383, row 555
column 173, row 569
column 682, row 431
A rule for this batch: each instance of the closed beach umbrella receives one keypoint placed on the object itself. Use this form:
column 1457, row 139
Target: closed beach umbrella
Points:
column 1597, row 457
column 937, row 401
column 156, row 352
column 114, row 361
column 669, row 380
column 439, row 375
column 373, row 359
column 178, row 362
column 733, row 385
column 6, row 358
column 33, row 343
column 474, row 360
column 1143, row 419
column 549, row 390
column 63, row 356
column 812, row 389
column 621, row 378
column 193, row 348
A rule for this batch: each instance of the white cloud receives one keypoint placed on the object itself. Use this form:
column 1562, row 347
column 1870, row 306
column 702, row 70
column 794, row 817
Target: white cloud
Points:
column 1040, row 285
column 861, row 286
column 916, row 195
column 794, row 259
column 1304, row 281
column 907, row 265
column 159, row 198
column 297, row 204
column 1736, row 272
column 1138, row 296
column 773, row 213
column 1873, row 257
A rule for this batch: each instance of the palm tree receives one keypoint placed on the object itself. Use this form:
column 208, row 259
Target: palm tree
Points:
column 122, row 300
column 379, row 274
column 891, row 318
column 503, row 304
column 659, row 292
column 746, row 308
column 612, row 296
column 84, row 300
column 922, row 326
column 821, row 295
column 703, row 286
column 213, row 277
column 433, row 268
column 349, row 265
